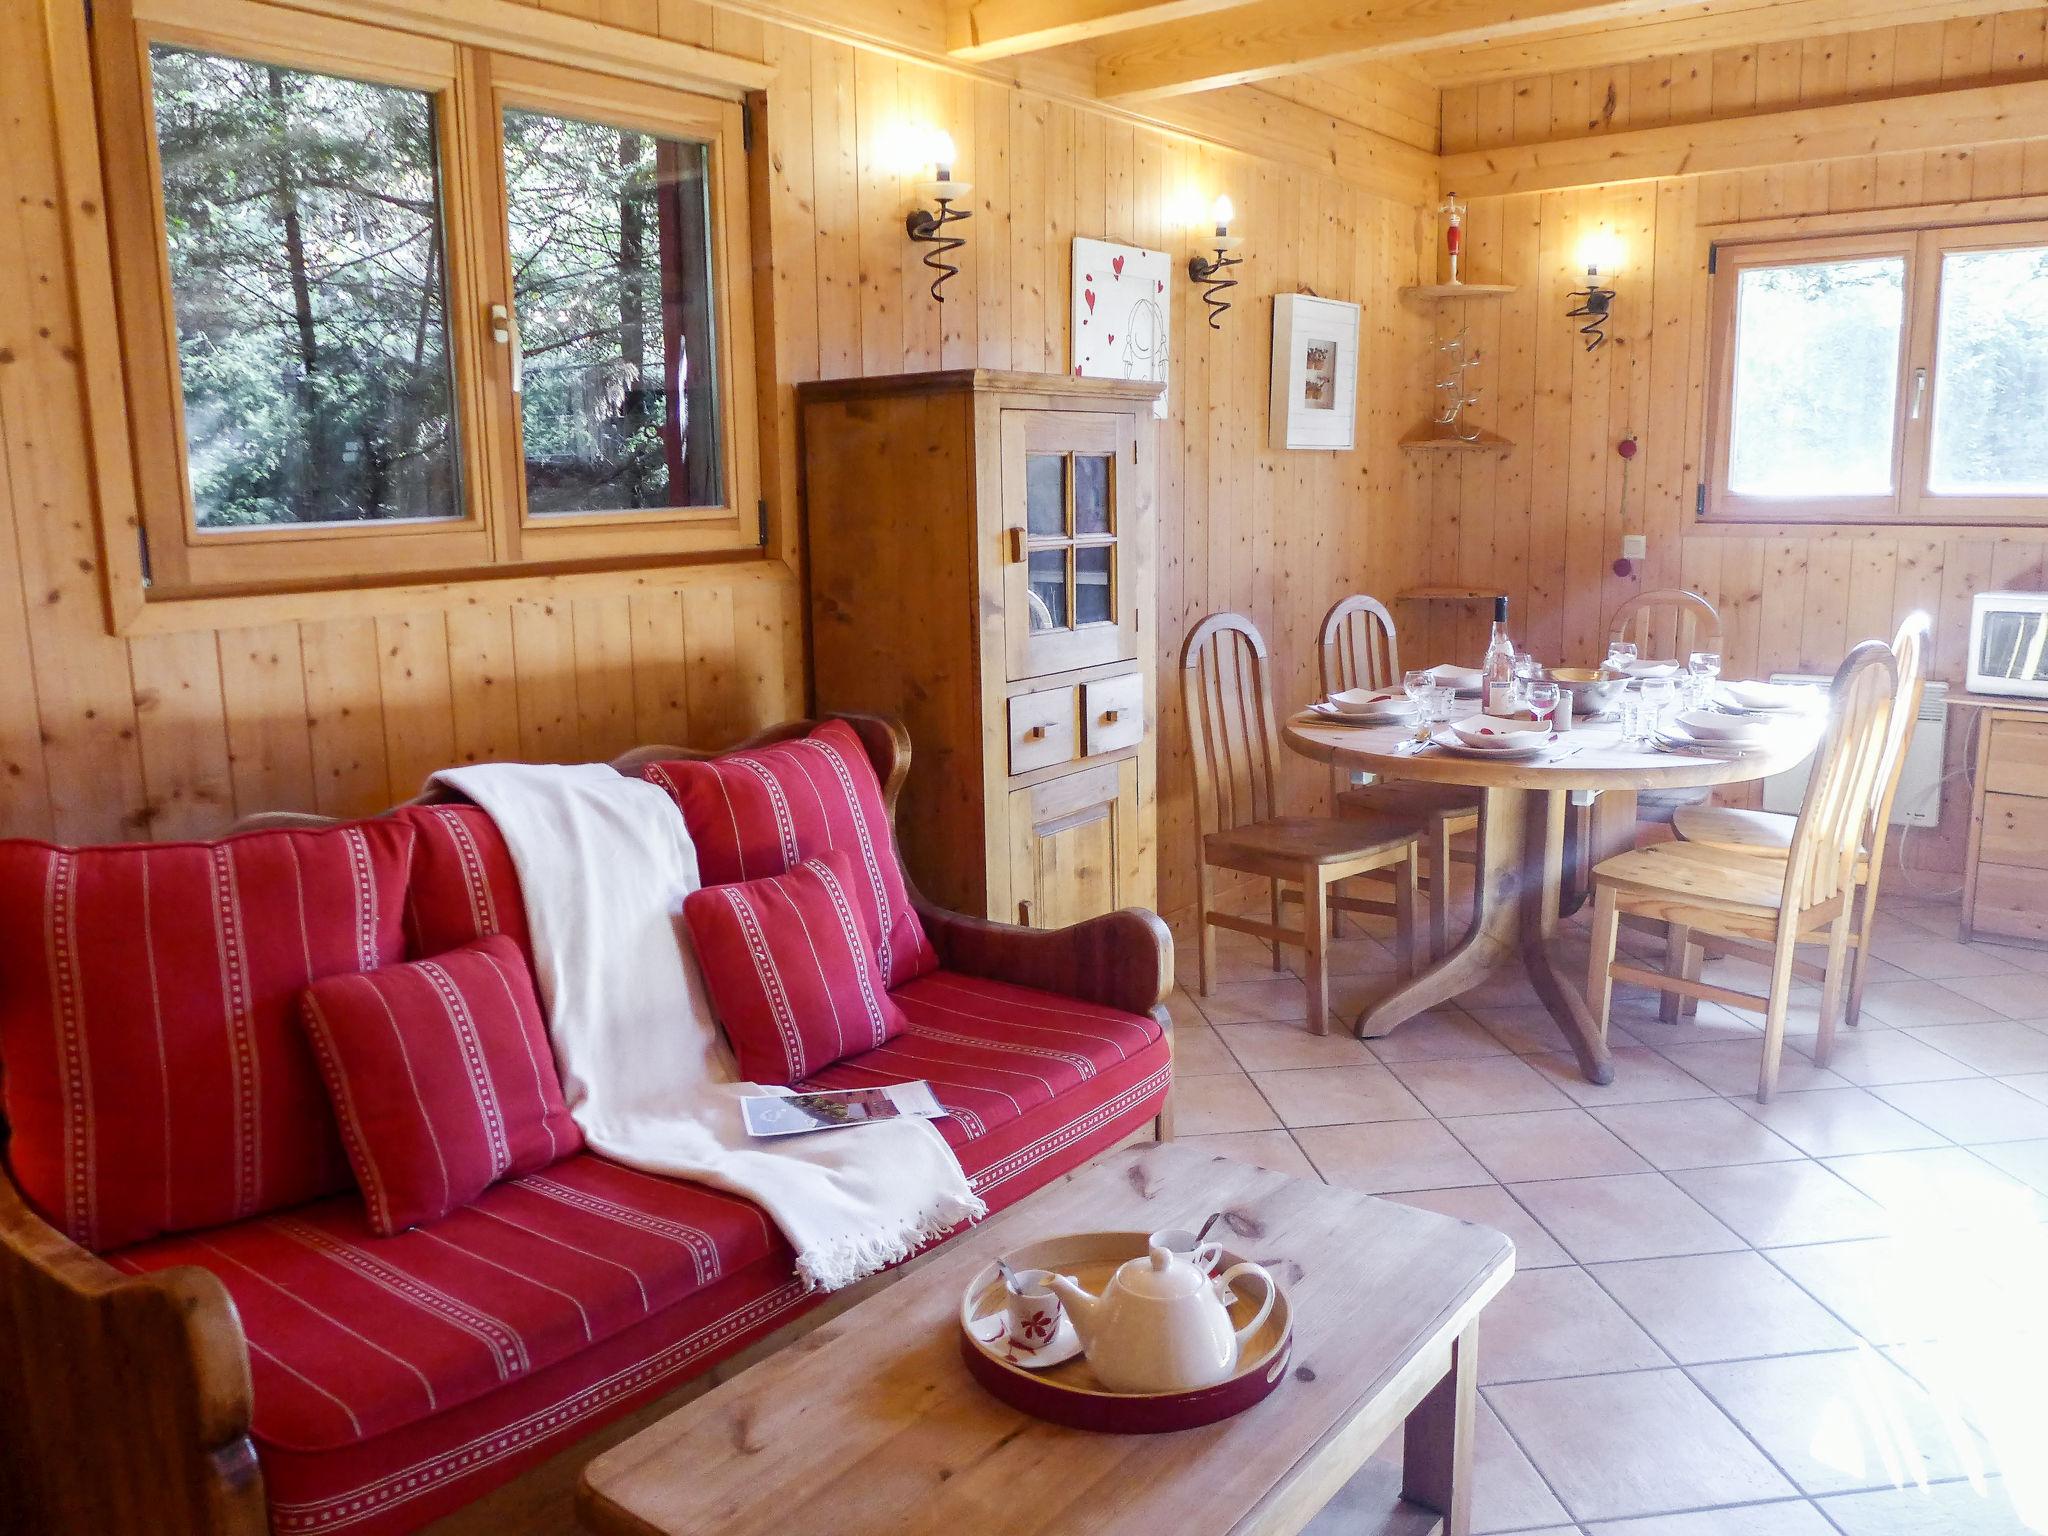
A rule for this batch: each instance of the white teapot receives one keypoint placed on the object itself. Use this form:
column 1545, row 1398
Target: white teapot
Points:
column 1160, row 1326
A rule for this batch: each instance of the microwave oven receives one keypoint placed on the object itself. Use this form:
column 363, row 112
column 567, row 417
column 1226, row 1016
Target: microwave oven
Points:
column 2009, row 644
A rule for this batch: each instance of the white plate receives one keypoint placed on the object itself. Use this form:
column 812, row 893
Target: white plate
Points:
column 1487, row 733
column 1649, row 668
column 1322, row 715
column 1365, row 701
column 1769, row 698
column 1727, row 730
column 1064, row 1344
column 1674, row 739
column 1518, row 754
column 1465, row 680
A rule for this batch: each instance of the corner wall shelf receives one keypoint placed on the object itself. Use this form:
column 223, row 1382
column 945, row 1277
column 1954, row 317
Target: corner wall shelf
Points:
column 1458, row 291
column 1426, row 439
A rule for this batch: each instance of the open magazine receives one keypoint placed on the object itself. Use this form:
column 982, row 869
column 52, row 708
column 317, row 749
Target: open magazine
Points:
column 792, row 1114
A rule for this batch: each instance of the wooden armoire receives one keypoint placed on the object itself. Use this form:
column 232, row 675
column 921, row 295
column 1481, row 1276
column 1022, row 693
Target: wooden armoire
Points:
column 981, row 563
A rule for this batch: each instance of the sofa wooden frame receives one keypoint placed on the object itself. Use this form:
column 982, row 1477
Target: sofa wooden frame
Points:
column 125, row 1400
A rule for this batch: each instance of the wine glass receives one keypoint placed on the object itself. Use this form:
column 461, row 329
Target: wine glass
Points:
column 1419, row 685
column 1704, row 667
column 1542, row 695
column 1620, row 654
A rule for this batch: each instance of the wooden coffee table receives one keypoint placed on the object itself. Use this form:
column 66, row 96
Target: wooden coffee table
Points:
column 871, row 1424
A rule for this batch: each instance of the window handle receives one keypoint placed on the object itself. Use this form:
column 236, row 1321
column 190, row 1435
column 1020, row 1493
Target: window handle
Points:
column 1919, row 393
column 505, row 332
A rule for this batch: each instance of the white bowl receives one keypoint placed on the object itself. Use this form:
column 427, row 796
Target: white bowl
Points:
column 1464, row 679
column 1491, row 732
column 1642, row 668
column 1368, row 701
column 1778, row 696
column 1731, row 730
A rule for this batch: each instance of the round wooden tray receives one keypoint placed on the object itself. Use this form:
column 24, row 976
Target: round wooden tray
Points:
column 1070, row 1394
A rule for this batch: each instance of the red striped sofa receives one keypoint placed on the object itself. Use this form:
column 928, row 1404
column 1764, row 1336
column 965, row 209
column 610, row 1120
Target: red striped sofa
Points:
column 202, row 1332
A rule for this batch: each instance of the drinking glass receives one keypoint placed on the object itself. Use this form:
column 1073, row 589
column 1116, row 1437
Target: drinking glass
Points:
column 1419, row 685
column 1443, row 704
column 1542, row 696
column 1656, row 700
column 1704, row 668
column 1620, row 653
column 1631, row 708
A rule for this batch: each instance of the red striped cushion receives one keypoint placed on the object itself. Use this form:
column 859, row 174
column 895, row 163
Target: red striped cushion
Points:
column 156, row 1079
column 787, row 962
column 442, row 1079
column 756, row 813
column 464, row 886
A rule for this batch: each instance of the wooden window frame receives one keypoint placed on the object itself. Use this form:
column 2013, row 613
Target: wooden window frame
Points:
column 492, row 536
column 1910, row 504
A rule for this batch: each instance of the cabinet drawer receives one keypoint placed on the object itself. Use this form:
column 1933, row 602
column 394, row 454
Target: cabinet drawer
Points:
column 2010, row 900
column 2015, row 831
column 2017, row 763
column 1113, row 713
column 1041, row 729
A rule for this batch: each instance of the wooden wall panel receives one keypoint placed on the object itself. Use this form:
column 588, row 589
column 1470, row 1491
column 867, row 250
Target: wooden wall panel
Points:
column 1789, row 603
column 173, row 735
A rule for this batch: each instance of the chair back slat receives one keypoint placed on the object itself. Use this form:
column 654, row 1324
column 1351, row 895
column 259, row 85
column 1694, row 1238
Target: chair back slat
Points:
column 1668, row 624
column 1909, row 650
column 1359, row 649
column 1232, row 736
column 1847, row 769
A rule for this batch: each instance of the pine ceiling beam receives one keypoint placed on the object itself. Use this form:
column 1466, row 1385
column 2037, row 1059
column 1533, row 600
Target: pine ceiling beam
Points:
column 980, row 30
column 1281, row 37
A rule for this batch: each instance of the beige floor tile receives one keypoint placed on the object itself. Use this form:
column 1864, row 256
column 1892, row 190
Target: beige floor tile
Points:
column 1492, row 1206
column 1181, row 1006
column 1970, row 1111
column 1731, row 1066
column 1624, row 1216
column 1911, row 1004
column 1507, row 1495
column 1441, row 1034
column 1870, row 1056
column 1678, row 1451
column 1839, row 1422
column 2024, row 1160
column 1976, row 1283
column 1934, row 959
column 1204, row 1105
column 1641, row 1076
column 1827, row 1121
column 1941, row 918
column 2015, row 995
column 1787, row 1517
column 2033, row 1084
column 1393, row 1155
column 1695, row 1133
column 1282, row 998
column 1774, row 1203
column 2025, row 957
column 1198, row 1052
column 2009, row 1047
column 1721, row 1306
column 1503, row 989
column 1558, row 1322
column 1352, row 955
column 1945, row 1509
column 1478, row 1085
column 1992, row 1380
column 1942, row 1187
column 1262, row 1149
column 1338, row 1095
column 1527, row 1030
column 1282, row 1047
column 1711, row 1024
column 1544, row 1144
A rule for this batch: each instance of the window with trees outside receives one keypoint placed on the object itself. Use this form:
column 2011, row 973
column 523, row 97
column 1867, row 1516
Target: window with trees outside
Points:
column 394, row 307
column 1881, row 378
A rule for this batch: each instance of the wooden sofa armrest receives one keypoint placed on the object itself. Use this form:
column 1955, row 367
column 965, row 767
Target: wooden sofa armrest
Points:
column 1120, row 960
column 124, row 1399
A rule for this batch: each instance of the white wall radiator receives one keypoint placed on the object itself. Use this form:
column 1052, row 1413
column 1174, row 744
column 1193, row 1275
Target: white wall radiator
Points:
column 1919, row 799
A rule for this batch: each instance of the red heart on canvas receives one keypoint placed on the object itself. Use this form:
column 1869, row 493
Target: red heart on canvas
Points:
column 1157, row 286
column 1089, row 295
column 1118, row 263
column 1109, row 338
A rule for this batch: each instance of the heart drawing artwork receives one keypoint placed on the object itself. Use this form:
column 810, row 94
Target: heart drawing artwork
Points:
column 1121, row 313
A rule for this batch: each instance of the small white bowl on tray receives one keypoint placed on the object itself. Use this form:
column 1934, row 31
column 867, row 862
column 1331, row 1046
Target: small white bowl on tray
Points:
column 1715, row 728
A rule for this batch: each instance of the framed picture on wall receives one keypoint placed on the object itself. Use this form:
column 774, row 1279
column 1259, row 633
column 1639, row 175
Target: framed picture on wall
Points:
column 1121, row 313
column 1315, row 372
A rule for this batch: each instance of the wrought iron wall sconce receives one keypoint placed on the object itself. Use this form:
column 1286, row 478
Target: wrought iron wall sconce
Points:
column 927, row 227
column 1596, row 302
column 1208, row 270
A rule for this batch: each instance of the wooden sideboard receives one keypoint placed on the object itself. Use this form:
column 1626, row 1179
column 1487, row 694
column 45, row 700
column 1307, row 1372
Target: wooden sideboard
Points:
column 980, row 555
column 2005, row 890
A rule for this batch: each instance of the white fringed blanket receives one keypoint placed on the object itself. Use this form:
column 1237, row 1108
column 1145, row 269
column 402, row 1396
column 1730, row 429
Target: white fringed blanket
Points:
column 605, row 862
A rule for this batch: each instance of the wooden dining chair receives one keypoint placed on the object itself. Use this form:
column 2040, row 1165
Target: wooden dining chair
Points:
column 1361, row 650
column 1226, row 686
column 1807, row 898
column 1667, row 624
column 1768, row 834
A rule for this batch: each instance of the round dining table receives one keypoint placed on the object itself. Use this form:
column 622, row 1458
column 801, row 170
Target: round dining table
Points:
column 1521, row 844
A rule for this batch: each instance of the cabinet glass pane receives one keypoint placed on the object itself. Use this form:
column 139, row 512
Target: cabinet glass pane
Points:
column 1048, row 593
column 1045, row 495
column 1991, row 375
column 1092, row 597
column 611, row 247
column 1091, row 493
column 1816, row 378
column 303, row 214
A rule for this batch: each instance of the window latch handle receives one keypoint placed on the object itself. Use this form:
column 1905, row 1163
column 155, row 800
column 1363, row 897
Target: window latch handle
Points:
column 505, row 332
column 1919, row 393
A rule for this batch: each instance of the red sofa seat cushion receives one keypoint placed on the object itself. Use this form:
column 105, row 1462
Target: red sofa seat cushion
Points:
column 352, row 1334
column 442, row 1079
column 464, row 885
column 789, row 965
column 758, row 813
column 156, row 1077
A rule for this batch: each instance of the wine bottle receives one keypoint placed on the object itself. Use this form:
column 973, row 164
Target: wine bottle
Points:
column 1497, row 685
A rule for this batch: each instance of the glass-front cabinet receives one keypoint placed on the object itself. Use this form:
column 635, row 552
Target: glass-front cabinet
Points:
column 1067, row 602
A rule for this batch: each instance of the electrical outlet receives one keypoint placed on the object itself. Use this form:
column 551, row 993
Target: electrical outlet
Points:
column 1634, row 546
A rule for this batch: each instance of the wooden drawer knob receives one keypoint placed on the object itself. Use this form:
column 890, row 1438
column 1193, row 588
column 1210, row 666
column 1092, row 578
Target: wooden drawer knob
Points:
column 1035, row 733
column 1111, row 716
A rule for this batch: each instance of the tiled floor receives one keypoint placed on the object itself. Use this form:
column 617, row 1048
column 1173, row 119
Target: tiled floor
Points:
column 1828, row 1314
